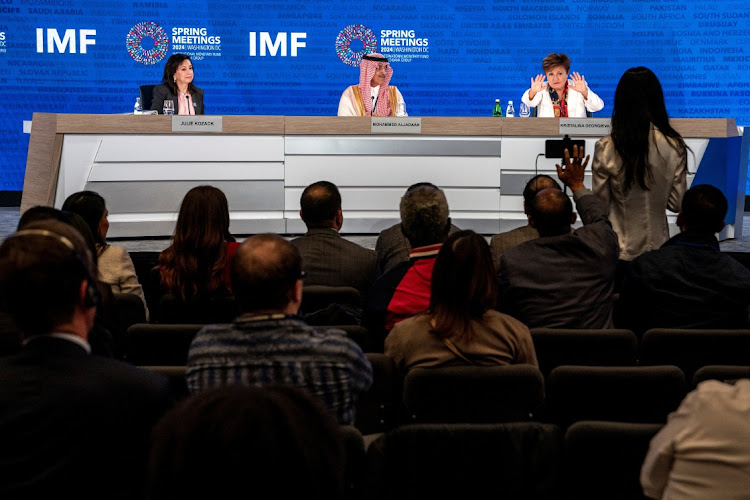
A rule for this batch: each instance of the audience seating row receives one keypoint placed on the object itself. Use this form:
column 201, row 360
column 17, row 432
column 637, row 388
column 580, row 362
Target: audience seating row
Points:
column 529, row 460
column 514, row 393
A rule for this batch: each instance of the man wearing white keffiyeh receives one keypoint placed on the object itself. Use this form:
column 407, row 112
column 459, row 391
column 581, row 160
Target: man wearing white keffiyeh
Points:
column 373, row 96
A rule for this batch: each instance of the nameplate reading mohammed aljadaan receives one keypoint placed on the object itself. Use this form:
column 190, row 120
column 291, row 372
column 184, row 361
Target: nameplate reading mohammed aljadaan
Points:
column 585, row 126
column 199, row 123
column 387, row 125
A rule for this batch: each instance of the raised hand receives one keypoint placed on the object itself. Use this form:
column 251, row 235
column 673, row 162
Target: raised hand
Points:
column 572, row 171
column 537, row 85
column 579, row 83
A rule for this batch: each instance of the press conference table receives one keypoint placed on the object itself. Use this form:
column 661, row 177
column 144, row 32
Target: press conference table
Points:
column 262, row 163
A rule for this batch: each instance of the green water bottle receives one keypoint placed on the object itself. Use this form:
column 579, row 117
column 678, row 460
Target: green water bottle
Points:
column 497, row 111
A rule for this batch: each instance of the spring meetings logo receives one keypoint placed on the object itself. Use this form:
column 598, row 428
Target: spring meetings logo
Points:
column 147, row 30
column 398, row 45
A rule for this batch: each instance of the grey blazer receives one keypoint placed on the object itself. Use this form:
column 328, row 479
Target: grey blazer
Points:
column 162, row 93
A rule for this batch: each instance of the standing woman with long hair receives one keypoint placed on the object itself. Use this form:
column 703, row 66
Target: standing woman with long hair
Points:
column 640, row 169
column 196, row 264
column 461, row 326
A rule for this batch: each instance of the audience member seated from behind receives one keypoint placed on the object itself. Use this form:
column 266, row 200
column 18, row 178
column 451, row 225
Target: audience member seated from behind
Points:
column 688, row 282
column 114, row 263
column 704, row 449
column 405, row 290
column 503, row 241
column 72, row 422
column 194, row 269
column 327, row 258
column 275, row 442
column 268, row 343
column 564, row 278
column 461, row 326
column 105, row 334
column 392, row 246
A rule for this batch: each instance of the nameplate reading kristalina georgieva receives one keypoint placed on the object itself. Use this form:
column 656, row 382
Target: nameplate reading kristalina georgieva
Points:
column 388, row 125
column 199, row 123
column 585, row 126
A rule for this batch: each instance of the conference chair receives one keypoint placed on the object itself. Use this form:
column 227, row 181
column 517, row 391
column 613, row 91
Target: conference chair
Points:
column 147, row 92
column 691, row 349
column 723, row 373
column 357, row 333
column 355, row 461
column 603, row 459
column 130, row 310
column 331, row 305
column 378, row 408
column 519, row 460
column 197, row 310
column 159, row 345
column 586, row 347
column 640, row 394
column 177, row 380
column 476, row 394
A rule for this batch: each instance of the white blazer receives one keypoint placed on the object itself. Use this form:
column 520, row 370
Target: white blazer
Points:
column 577, row 105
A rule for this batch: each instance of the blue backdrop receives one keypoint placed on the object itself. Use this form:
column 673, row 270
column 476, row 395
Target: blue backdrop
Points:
column 279, row 57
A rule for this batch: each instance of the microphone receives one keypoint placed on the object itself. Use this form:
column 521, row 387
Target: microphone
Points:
column 372, row 107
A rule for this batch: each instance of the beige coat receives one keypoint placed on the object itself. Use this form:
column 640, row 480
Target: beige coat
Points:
column 639, row 217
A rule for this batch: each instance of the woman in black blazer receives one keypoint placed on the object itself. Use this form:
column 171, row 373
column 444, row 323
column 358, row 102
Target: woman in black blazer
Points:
column 178, row 87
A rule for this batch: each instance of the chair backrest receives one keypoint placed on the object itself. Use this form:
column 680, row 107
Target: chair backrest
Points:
column 512, row 460
column 159, row 345
column 556, row 347
column 144, row 263
column 146, row 96
column 177, row 380
column 479, row 394
column 317, row 297
column 690, row 349
column 378, row 408
column 642, row 394
column 197, row 310
column 604, row 459
column 355, row 466
column 724, row 373
column 130, row 309
column 357, row 333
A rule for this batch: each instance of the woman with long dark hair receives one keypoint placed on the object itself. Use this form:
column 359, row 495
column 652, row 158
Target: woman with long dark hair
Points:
column 461, row 326
column 114, row 264
column 640, row 169
column 196, row 264
column 177, row 86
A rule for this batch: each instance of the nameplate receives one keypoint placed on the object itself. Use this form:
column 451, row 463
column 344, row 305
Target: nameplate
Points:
column 388, row 125
column 200, row 123
column 585, row 126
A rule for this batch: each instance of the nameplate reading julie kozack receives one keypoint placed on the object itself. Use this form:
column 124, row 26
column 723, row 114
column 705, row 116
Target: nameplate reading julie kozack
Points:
column 585, row 126
column 199, row 123
column 388, row 125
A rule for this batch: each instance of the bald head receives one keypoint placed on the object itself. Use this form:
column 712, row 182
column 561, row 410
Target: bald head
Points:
column 265, row 271
column 536, row 184
column 551, row 212
column 320, row 205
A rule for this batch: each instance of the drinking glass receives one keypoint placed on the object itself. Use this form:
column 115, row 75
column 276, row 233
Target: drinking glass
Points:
column 401, row 109
column 169, row 107
column 525, row 112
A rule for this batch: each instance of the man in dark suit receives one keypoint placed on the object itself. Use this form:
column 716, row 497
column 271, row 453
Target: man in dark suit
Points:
column 688, row 282
column 392, row 246
column 509, row 239
column 327, row 258
column 564, row 278
column 72, row 423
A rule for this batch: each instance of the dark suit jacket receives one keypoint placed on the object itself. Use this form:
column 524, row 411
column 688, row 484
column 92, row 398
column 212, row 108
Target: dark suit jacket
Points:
column 509, row 239
column 564, row 281
column 328, row 259
column 162, row 93
column 75, row 423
